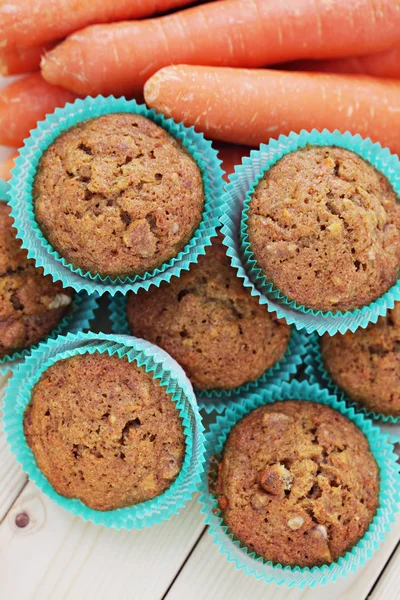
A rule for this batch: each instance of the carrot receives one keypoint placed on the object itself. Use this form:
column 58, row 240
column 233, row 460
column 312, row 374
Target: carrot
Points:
column 25, row 102
column 26, row 23
column 230, row 156
column 21, row 60
column 118, row 58
column 7, row 165
column 246, row 106
column 381, row 64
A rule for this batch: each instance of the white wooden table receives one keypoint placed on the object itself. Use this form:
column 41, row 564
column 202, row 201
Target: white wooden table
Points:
column 56, row 556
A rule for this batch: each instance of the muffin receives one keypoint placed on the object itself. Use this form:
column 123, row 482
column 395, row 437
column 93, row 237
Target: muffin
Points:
column 366, row 364
column 103, row 430
column 324, row 227
column 297, row 483
column 31, row 305
column 117, row 195
column 210, row 324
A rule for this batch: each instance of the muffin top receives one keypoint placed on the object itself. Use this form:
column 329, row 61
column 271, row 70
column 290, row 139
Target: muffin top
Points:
column 324, row 226
column 210, row 324
column 117, row 195
column 366, row 364
column 297, row 483
column 103, row 430
column 31, row 305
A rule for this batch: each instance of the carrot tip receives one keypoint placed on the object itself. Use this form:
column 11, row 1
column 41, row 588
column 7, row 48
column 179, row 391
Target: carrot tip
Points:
column 151, row 89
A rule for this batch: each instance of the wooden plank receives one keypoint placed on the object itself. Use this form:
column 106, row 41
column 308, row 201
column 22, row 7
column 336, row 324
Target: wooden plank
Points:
column 208, row 576
column 60, row 556
column 12, row 479
column 387, row 587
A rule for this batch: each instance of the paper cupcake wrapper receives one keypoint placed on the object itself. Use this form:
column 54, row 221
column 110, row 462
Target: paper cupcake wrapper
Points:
column 78, row 318
column 154, row 361
column 217, row 400
column 317, row 373
column 32, row 237
column 234, row 219
column 253, row 564
column 4, row 190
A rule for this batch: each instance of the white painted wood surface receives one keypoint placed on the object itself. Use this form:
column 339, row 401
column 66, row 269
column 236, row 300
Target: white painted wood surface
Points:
column 12, row 479
column 388, row 586
column 59, row 556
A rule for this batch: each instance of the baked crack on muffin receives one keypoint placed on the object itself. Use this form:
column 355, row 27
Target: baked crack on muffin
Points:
column 324, row 227
column 117, row 195
column 297, row 483
column 210, row 324
column 103, row 430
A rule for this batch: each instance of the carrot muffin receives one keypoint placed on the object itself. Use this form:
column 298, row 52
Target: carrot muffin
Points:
column 104, row 431
column 324, row 227
column 297, row 483
column 31, row 305
column 117, row 195
column 210, row 324
column 366, row 364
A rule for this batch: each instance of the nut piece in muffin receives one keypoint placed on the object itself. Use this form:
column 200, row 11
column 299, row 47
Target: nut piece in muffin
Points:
column 117, row 195
column 366, row 364
column 324, row 227
column 31, row 304
column 297, row 483
column 210, row 324
column 104, row 431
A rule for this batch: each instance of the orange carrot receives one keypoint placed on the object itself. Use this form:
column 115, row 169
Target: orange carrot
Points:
column 230, row 156
column 7, row 165
column 246, row 106
column 381, row 64
column 118, row 58
column 25, row 102
column 26, row 23
column 21, row 60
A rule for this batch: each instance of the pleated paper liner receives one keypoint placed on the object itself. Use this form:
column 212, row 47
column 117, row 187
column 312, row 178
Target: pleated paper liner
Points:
column 254, row 565
column 169, row 375
column 234, row 219
column 23, row 174
column 218, row 399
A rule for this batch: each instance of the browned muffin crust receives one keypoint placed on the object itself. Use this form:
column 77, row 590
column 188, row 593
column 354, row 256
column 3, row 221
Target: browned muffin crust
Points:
column 297, row 483
column 117, row 195
column 103, row 430
column 324, row 226
column 31, row 305
column 366, row 364
column 210, row 324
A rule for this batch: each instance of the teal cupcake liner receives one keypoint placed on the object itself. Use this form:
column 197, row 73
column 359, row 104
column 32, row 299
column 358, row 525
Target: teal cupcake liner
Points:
column 254, row 565
column 317, row 373
column 4, row 190
column 217, row 400
column 78, row 318
column 234, row 220
column 23, row 174
column 154, row 361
